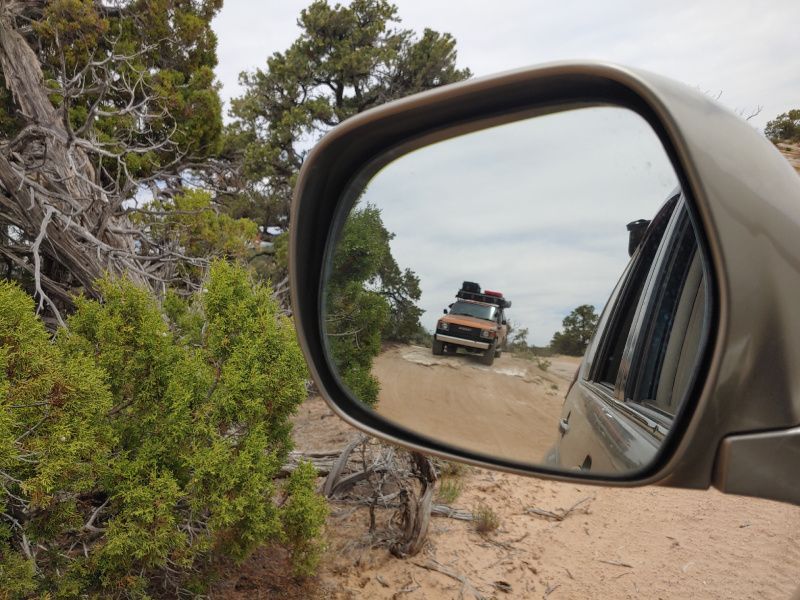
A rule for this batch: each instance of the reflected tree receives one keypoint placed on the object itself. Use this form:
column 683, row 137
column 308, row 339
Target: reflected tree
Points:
column 578, row 328
column 369, row 300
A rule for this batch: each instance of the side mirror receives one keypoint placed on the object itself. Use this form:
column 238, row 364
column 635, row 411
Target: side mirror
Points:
column 686, row 377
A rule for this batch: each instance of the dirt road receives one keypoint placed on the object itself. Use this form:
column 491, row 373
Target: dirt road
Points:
column 510, row 409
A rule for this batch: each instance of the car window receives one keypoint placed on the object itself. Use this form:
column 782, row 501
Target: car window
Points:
column 647, row 353
column 672, row 326
column 480, row 311
column 614, row 339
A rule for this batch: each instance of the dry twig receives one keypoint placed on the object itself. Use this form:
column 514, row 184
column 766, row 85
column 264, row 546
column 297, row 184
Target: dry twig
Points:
column 433, row 565
column 557, row 516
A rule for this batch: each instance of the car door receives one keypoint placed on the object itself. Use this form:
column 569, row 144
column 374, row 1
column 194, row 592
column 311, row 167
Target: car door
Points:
column 638, row 365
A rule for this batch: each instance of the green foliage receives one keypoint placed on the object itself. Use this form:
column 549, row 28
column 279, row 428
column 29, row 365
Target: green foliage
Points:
column 190, row 223
column 485, row 519
column 578, row 328
column 450, row 489
column 54, row 440
column 447, row 468
column 785, row 127
column 421, row 337
column 17, row 575
column 347, row 59
column 369, row 300
column 150, row 434
column 303, row 518
column 10, row 122
column 165, row 47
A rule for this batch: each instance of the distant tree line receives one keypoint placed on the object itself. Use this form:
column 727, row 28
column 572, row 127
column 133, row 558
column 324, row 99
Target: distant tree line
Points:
column 577, row 330
column 785, row 127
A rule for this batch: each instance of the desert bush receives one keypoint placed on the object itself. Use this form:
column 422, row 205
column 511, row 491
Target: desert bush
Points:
column 485, row 519
column 145, row 441
column 450, row 489
column 448, row 468
column 543, row 363
column 303, row 517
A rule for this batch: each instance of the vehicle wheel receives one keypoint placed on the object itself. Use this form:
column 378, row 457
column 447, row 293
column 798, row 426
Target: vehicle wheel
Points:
column 488, row 356
column 497, row 353
column 438, row 347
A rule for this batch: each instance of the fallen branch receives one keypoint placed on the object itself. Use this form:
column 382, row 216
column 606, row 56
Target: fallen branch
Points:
column 415, row 515
column 556, row 516
column 442, row 510
column 339, row 465
column 323, row 462
column 432, row 565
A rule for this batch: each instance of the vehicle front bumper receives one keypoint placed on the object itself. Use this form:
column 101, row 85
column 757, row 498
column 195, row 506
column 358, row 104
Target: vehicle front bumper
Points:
column 451, row 339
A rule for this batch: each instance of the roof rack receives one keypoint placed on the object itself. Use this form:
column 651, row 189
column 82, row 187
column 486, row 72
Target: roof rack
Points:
column 472, row 291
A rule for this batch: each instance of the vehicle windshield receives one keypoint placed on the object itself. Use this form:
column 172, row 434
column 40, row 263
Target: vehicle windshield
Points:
column 481, row 311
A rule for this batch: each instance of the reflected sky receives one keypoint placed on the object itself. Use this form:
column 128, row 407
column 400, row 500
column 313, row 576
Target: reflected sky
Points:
column 536, row 209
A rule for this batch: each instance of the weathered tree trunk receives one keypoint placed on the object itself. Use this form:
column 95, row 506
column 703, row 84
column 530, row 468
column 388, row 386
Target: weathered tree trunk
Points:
column 411, row 477
column 49, row 189
column 417, row 510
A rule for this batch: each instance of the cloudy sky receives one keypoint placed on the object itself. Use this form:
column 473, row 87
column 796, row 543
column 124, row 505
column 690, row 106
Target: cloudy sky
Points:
column 745, row 52
column 535, row 209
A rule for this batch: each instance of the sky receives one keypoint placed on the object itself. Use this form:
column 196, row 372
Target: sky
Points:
column 535, row 209
column 744, row 50
column 744, row 53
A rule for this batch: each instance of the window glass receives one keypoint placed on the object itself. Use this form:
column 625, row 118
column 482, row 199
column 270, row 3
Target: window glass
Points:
column 481, row 311
column 614, row 341
column 672, row 326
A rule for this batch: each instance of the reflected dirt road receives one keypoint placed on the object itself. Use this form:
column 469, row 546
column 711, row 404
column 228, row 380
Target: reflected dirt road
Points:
column 510, row 409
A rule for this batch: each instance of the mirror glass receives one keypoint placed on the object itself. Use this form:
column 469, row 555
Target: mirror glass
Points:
column 471, row 274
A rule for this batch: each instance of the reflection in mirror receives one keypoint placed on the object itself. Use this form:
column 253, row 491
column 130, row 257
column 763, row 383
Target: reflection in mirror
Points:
column 470, row 276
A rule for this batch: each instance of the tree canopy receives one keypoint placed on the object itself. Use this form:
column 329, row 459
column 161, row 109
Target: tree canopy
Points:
column 101, row 105
column 347, row 59
column 578, row 328
column 369, row 300
column 785, row 127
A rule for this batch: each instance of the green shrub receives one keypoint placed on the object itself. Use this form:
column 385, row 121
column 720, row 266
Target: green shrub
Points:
column 448, row 468
column 303, row 517
column 450, row 489
column 169, row 430
column 486, row 520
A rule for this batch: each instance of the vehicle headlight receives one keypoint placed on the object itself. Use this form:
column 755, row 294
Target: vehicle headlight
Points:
column 488, row 334
column 443, row 326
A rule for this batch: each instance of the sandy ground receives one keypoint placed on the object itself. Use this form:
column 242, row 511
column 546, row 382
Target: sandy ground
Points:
column 642, row 543
column 617, row 543
column 510, row 409
column 792, row 154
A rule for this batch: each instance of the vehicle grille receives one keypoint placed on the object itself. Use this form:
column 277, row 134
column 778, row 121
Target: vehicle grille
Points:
column 462, row 331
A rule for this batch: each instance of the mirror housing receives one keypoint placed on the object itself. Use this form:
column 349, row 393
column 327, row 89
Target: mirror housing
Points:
column 745, row 197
